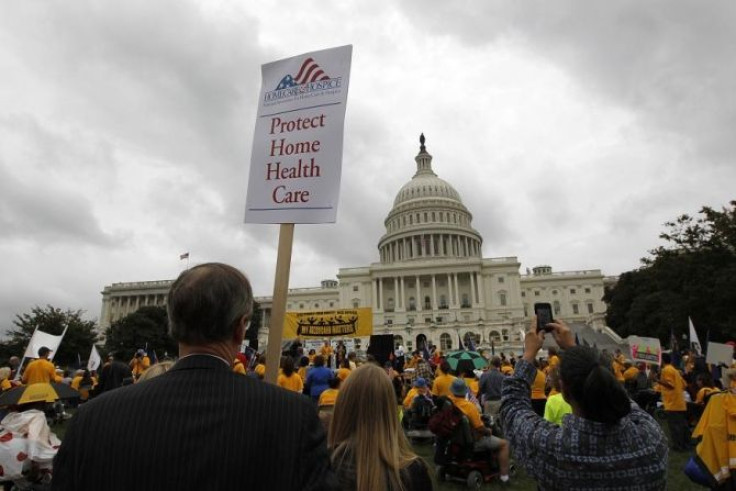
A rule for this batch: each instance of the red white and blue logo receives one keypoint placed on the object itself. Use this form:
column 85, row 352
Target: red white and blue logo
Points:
column 309, row 81
column 309, row 72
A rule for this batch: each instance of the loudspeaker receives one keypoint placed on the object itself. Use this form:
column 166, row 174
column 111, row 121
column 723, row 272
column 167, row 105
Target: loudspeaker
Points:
column 381, row 347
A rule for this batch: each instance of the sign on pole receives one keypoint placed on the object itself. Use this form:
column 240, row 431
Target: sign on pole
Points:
column 719, row 353
column 296, row 160
column 647, row 350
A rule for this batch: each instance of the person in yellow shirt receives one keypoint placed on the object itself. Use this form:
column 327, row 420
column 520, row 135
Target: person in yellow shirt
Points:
column 4, row 379
column 288, row 378
column 328, row 397
column 539, row 399
column 326, row 352
column 673, row 399
column 419, row 388
column 412, row 363
column 84, row 383
column 471, row 381
column 310, row 356
column 706, row 387
column 303, row 367
column 139, row 363
column 41, row 369
column 484, row 439
column 506, row 368
column 344, row 370
column 260, row 369
column 441, row 385
column 552, row 360
column 238, row 367
column 618, row 369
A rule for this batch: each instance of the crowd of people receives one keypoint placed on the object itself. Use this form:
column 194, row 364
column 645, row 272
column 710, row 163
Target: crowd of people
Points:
column 334, row 420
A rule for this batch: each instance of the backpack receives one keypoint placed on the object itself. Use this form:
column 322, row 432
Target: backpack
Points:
column 446, row 420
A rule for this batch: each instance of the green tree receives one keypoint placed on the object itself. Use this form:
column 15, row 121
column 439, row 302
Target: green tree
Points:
column 77, row 342
column 692, row 275
column 146, row 327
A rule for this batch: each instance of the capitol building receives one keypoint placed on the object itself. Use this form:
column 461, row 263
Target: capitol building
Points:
column 431, row 283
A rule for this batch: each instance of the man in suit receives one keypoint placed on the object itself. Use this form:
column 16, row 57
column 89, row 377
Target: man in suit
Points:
column 199, row 425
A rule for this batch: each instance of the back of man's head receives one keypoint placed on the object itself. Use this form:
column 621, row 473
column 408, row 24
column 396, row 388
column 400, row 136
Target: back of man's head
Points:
column 496, row 362
column 206, row 303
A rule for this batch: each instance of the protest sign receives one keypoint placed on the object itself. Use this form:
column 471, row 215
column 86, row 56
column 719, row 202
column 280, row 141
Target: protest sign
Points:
column 296, row 160
column 719, row 353
column 329, row 323
column 647, row 350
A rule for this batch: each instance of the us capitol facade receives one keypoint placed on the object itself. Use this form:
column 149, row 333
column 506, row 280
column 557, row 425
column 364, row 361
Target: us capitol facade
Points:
column 431, row 283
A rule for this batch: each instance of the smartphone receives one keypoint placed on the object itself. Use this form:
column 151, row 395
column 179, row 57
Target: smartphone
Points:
column 543, row 311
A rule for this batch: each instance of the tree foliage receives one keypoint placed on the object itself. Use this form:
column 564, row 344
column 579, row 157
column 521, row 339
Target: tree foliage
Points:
column 78, row 340
column 692, row 275
column 145, row 328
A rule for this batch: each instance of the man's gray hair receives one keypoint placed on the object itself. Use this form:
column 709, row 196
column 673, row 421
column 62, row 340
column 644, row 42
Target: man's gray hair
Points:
column 206, row 303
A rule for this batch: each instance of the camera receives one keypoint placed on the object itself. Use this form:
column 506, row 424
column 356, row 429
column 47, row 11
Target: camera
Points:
column 543, row 311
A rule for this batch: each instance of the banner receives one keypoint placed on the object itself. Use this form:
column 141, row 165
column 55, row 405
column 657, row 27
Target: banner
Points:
column 41, row 339
column 329, row 323
column 296, row 160
column 719, row 353
column 694, row 341
column 94, row 359
column 646, row 350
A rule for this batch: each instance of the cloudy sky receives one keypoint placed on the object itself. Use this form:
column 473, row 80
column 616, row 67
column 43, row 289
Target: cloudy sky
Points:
column 572, row 130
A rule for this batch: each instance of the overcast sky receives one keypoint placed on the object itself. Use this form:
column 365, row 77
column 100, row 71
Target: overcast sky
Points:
column 572, row 130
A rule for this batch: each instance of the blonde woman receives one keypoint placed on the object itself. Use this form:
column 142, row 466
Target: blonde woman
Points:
column 369, row 450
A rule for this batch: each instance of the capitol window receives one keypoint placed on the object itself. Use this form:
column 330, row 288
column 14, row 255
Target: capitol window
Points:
column 590, row 308
column 355, row 288
column 573, row 291
column 445, row 342
column 501, row 279
column 575, row 309
column 587, row 290
column 356, row 304
column 556, row 306
column 502, row 298
column 398, row 341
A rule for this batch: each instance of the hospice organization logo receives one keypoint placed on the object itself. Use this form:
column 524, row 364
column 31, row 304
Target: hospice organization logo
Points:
column 309, row 79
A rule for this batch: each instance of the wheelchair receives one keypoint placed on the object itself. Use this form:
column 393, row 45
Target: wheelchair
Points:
column 416, row 421
column 456, row 458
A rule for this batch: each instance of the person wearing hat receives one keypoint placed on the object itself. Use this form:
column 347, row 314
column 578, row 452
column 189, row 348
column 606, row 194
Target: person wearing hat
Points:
column 139, row 363
column 484, row 439
column 41, row 369
column 419, row 388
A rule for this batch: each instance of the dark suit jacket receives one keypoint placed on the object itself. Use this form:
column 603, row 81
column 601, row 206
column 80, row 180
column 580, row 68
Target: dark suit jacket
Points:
column 198, row 426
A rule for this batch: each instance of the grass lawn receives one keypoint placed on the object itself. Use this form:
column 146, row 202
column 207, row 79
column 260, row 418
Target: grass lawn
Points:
column 676, row 479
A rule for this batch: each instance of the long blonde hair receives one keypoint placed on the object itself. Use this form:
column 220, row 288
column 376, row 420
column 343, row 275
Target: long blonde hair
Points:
column 365, row 426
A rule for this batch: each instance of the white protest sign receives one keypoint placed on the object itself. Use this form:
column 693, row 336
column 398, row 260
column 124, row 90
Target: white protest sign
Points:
column 647, row 350
column 296, row 160
column 719, row 353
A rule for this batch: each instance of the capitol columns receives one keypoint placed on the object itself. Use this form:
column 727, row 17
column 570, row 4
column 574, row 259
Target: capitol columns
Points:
column 473, row 293
column 456, row 291
column 402, row 302
column 434, row 293
column 420, row 300
column 375, row 295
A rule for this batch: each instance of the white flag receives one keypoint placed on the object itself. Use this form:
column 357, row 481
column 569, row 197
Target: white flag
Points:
column 94, row 359
column 41, row 339
column 694, row 341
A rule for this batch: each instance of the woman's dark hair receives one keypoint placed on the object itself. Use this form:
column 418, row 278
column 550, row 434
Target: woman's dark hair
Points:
column 706, row 379
column 445, row 367
column 334, row 383
column 319, row 361
column 288, row 366
column 469, row 373
column 304, row 361
column 345, row 363
column 589, row 380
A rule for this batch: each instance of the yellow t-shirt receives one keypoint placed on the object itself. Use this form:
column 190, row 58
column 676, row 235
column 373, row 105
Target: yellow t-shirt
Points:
column 631, row 373
column 326, row 351
column 507, row 369
column 672, row 399
column 472, row 385
column 343, row 373
column 303, row 373
column 703, row 392
column 441, row 385
column 328, row 397
column 293, row 383
column 260, row 370
column 139, row 365
column 410, row 397
column 618, row 370
column 717, row 449
column 5, row 385
column 469, row 410
column 38, row 371
column 238, row 367
column 540, row 382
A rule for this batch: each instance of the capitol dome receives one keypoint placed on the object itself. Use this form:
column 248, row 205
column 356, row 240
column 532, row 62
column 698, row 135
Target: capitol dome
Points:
column 428, row 219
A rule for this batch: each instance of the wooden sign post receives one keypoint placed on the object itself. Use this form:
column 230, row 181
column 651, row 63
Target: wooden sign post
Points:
column 278, row 306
